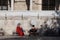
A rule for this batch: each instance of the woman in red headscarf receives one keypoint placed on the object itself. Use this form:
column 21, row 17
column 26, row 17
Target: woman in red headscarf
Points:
column 19, row 30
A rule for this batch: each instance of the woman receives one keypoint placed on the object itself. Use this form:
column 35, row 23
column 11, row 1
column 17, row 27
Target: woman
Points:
column 19, row 30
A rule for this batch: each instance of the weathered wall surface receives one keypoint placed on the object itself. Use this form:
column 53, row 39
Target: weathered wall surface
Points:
column 9, row 20
column 37, row 5
column 21, row 5
column 9, row 26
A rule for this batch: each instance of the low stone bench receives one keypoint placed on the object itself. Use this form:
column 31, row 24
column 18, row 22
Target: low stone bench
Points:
column 15, row 34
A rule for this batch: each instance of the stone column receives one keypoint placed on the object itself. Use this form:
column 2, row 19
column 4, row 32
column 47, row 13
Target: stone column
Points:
column 40, row 4
column 31, row 4
column 12, row 5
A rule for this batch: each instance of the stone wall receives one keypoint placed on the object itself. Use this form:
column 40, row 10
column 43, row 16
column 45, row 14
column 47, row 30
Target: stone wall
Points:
column 9, row 20
column 9, row 26
column 21, row 5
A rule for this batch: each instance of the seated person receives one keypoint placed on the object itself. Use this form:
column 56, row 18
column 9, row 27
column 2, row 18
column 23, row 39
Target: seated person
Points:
column 33, row 31
column 19, row 30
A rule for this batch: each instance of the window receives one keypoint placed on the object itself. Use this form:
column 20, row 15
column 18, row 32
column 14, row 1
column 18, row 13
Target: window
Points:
column 4, row 4
column 48, row 4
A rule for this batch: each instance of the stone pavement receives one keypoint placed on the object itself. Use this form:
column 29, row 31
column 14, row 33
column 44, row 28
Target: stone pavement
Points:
column 28, row 38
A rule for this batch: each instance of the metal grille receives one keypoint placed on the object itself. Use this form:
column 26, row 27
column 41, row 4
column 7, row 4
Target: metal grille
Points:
column 3, row 4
